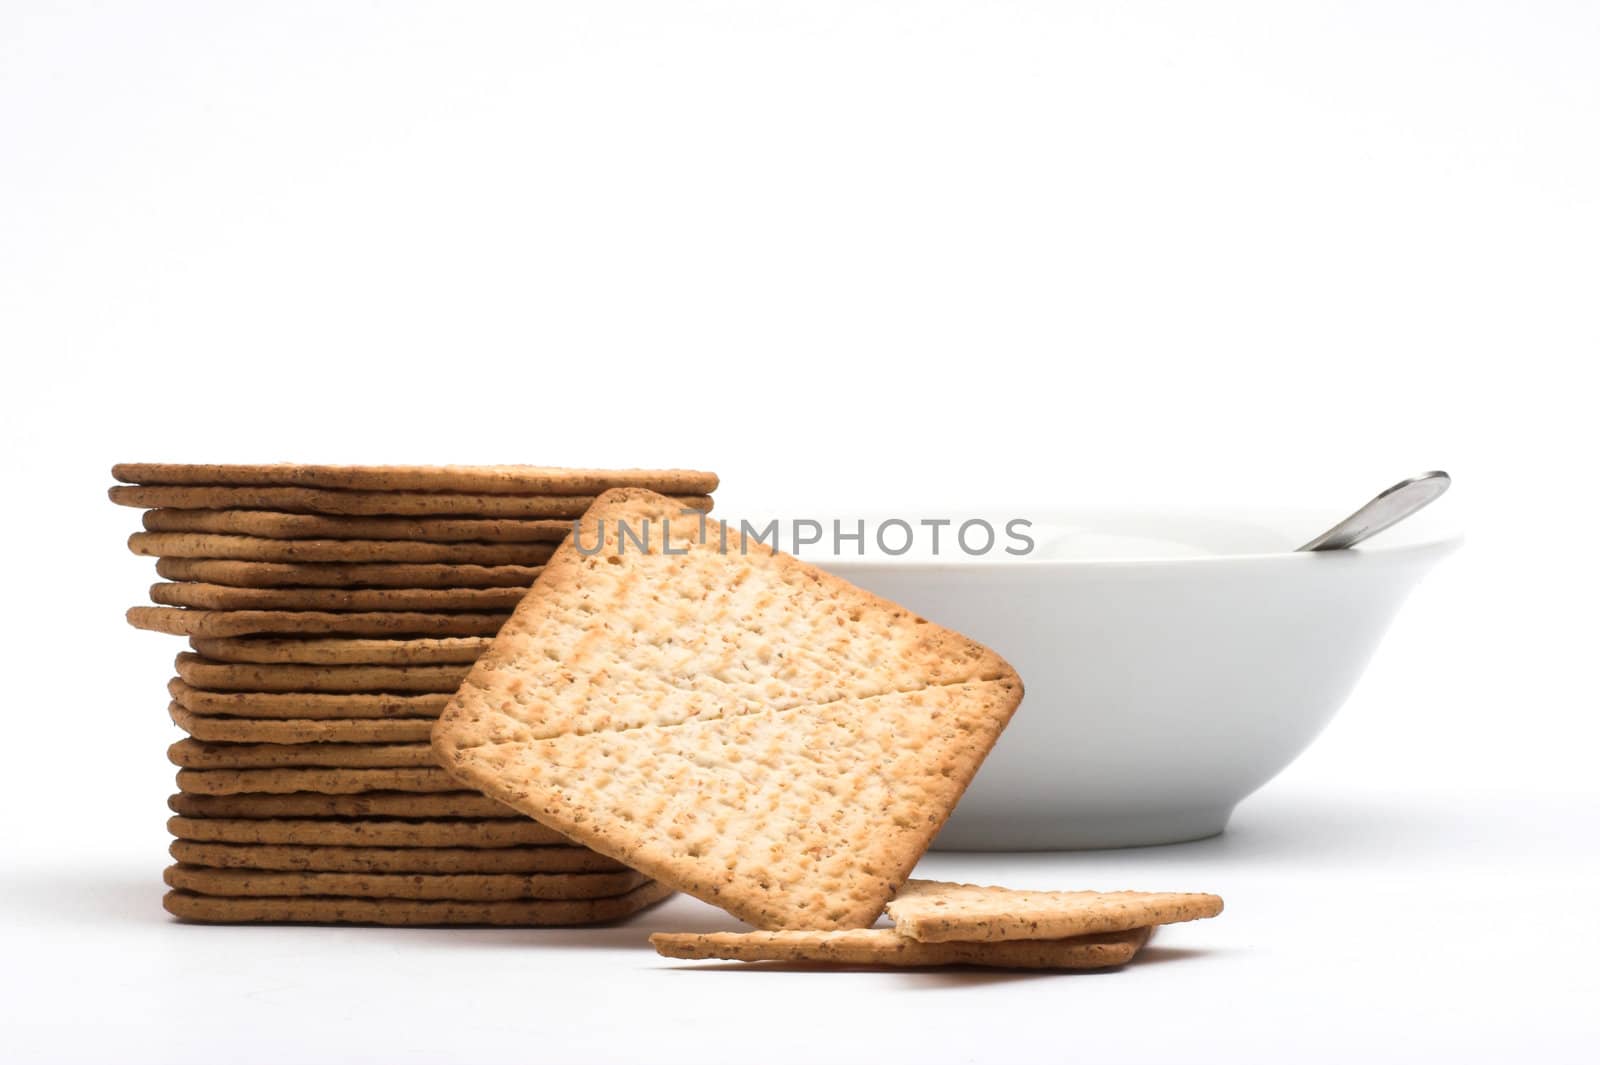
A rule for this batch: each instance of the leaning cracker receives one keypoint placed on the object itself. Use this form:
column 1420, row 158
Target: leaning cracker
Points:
column 885, row 947
column 507, row 478
column 344, row 575
column 233, row 676
column 225, row 597
column 330, row 501
column 744, row 727
column 299, row 730
column 195, row 754
column 262, row 549
column 472, row 887
column 392, row 859
column 266, row 650
column 334, row 910
column 330, row 781
column 317, row 705
column 365, row 833
column 180, row 621
column 365, row 804
column 281, row 525
column 934, row 911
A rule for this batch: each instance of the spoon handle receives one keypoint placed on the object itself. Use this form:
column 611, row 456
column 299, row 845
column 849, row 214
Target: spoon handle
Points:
column 1387, row 507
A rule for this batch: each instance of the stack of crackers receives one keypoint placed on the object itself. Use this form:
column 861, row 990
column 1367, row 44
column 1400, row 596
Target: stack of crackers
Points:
column 331, row 612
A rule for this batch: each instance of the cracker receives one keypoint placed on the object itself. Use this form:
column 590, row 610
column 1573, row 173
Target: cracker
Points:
column 223, row 597
column 265, row 650
column 280, row 525
column 181, row 621
column 743, row 727
column 329, row 781
column 397, row 504
column 195, row 754
column 299, row 730
column 473, row 887
column 344, row 575
column 934, row 911
column 367, row 804
column 237, row 676
column 306, row 705
column 365, row 833
column 392, row 859
column 885, row 947
column 512, row 478
column 261, row 549
column 406, row 912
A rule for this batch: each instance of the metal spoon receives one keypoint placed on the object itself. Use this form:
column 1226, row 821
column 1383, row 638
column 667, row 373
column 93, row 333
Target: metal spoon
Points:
column 1393, row 504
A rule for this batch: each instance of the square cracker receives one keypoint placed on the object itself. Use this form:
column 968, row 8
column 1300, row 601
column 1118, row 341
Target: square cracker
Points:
column 196, row 754
column 205, row 596
column 208, row 675
column 512, row 479
column 333, row 909
column 367, row 804
column 326, row 780
column 365, row 832
column 348, row 552
column 324, row 858
column 934, row 911
column 299, row 730
column 741, row 726
column 283, row 705
column 182, row 621
column 885, row 946
column 353, row 503
column 336, row 651
column 460, row 887
column 284, row 525
column 245, row 574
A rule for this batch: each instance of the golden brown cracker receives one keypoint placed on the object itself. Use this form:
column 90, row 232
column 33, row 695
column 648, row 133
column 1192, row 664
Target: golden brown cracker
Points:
column 202, row 672
column 511, row 479
column 935, row 911
column 239, row 574
column 357, row 503
column 262, row 549
column 281, row 525
column 225, row 597
column 196, row 754
column 314, row 705
column 409, row 912
column 327, row 859
column 450, row 804
column 181, row 621
column 336, row 651
column 331, row 781
column 365, row 832
column 739, row 725
column 473, row 887
column 884, row 947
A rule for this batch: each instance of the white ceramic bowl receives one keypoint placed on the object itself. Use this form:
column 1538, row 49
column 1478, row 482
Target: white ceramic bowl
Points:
column 1173, row 662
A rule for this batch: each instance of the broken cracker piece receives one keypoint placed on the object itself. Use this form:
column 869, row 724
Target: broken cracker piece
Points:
column 885, row 946
column 933, row 911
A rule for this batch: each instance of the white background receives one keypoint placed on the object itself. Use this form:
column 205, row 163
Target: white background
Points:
column 847, row 255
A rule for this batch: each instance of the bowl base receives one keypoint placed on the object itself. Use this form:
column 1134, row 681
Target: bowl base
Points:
column 1089, row 831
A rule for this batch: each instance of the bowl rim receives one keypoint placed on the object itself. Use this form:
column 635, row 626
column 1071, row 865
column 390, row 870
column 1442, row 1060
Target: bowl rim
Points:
column 1425, row 536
